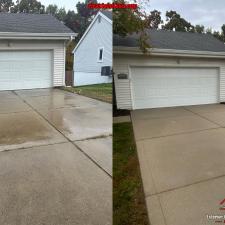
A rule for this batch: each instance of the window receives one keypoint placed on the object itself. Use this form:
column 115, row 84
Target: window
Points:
column 100, row 54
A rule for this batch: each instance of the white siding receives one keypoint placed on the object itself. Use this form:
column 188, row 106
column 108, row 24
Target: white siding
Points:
column 122, row 63
column 86, row 55
column 90, row 78
column 57, row 47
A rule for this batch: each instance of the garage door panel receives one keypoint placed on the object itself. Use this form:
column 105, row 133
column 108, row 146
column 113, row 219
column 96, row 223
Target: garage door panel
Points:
column 157, row 87
column 25, row 70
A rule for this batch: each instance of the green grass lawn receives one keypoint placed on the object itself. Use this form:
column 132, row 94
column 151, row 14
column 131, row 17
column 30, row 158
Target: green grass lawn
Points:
column 101, row 92
column 128, row 198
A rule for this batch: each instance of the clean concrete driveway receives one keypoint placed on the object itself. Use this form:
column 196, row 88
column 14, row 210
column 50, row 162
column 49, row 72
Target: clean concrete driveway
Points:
column 182, row 157
column 55, row 159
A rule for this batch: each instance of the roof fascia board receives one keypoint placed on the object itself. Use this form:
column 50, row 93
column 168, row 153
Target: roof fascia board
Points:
column 168, row 52
column 23, row 34
column 90, row 26
column 35, row 38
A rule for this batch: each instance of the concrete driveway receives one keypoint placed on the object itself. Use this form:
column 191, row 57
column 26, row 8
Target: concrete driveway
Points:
column 55, row 159
column 181, row 152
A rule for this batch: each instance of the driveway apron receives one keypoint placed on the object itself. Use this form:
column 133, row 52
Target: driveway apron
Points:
column 181, row 153
column 55, row 159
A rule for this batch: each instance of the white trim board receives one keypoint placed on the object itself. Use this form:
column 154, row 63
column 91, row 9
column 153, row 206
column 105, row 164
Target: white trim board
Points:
column 168, row 52
column 22, row 35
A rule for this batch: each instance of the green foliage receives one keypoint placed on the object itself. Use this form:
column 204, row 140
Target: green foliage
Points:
column 177, row 23
column 208, row 30
column 127, row 21
column 28, row 6
column 5, row 5
column 69, row 56
column 84, row 11
column 52, row 9
column 128, row 197
column 154, row 19
column 223, row 29
column 199, row 29
column 102, row 92
column 61, row 14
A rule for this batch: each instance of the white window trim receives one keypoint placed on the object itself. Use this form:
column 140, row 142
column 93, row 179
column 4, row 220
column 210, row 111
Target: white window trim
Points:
column 98, row 60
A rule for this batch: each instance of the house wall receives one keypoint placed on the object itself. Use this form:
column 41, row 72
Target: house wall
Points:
column 57, row 47
column 122, row 63
column 86, row 55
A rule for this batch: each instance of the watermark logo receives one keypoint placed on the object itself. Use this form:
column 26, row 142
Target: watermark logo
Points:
column 218, row 218
column 111, row 6
column 222, row 205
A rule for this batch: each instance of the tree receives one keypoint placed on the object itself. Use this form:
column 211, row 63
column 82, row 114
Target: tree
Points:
column 85, row 16
column 28, row 6
column 84, row 11
column 69, row 55
column 223, row 29
column 177, row 23
column 127, row 21
column 217, row 35
column 5, row 5
column 199, row 29
column 154, row 19
column 52, row 9
column 61, row 14
column 208, row 30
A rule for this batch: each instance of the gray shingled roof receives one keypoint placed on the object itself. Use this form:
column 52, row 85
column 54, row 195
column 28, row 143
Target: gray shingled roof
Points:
column 174, row 40
column 107, row 13
column 31, row 23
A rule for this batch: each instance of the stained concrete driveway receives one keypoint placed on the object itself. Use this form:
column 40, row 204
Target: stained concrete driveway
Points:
column 181, row 152
column 55, row 159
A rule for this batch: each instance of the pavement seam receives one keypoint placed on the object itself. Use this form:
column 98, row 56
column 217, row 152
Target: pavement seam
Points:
column 30, row 110
column 203, row 117
column 66, row 137
column 94, row 137
column 181, row 133
column 187, row 185
column 164, row 218
column 24, row 148
column 91, row 159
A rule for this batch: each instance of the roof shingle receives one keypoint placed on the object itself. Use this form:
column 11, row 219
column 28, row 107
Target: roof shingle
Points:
column 164, row 39
column 107, row 14
column 31, row 23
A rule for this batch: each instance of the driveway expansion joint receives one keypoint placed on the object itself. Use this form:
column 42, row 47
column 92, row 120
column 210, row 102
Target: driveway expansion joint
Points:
column 94, row 137
column 202, row 117
column 87, row 156
column 41, row 145
column 185, row 186
column 181, row 133
column 91, row 159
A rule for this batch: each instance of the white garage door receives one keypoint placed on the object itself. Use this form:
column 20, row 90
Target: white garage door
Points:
column 165, row 87
column 25, row 69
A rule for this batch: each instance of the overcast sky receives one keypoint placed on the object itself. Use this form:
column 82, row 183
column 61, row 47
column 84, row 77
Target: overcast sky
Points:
column 67, row 4
column 210, row 13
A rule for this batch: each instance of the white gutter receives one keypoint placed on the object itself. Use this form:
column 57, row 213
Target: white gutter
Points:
column 21, row 35
column 168, row 52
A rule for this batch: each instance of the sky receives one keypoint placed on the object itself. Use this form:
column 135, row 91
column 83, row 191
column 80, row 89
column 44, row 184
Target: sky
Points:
column 67, row 4
column 210, row 13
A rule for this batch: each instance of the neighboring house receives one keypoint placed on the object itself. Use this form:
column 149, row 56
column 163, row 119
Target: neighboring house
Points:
column 181, row 69
column 94, row 51
column 32, row 51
